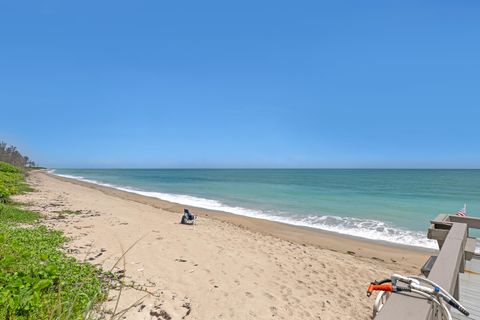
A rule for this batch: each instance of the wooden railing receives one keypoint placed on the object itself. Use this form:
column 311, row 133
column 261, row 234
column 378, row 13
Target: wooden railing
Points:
column 451, row 233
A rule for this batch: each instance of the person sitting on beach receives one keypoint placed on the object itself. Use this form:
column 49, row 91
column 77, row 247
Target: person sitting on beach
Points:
column 187, row 217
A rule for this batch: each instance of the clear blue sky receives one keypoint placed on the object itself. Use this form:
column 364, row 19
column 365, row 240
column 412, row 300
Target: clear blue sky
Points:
column 242, row 84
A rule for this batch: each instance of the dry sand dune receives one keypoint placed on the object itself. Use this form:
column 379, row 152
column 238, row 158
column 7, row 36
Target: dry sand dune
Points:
column 226, row 267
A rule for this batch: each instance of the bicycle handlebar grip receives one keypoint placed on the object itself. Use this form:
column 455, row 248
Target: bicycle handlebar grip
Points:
column 379, row 287
column 458, row 307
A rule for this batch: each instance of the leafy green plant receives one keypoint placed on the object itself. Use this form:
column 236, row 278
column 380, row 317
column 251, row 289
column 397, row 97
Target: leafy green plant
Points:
column 12, row 214
column 5, row 167
column 37, row 280
column 11, row 181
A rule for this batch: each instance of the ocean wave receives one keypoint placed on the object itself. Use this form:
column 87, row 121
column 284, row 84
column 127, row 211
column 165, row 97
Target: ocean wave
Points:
column 362, row 228
column 83, row 179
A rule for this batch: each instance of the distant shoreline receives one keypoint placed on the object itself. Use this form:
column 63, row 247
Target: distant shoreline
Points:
column 272, row 205
column 298, row 234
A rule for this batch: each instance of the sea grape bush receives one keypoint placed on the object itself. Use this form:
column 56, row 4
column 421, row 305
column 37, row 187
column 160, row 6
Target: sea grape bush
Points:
column 11, row 181
column 37, row 280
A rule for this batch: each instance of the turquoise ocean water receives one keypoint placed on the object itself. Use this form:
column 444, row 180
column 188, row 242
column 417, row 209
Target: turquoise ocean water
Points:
column 388, row 205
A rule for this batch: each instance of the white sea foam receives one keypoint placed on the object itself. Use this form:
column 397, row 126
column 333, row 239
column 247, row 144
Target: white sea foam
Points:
column 363, row 228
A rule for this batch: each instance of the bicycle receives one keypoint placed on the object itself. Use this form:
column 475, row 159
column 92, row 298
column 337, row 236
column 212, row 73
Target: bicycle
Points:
column 421, row 286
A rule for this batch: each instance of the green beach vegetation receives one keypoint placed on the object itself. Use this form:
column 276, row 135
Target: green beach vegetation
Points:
column 11, row 181
column 37, row 279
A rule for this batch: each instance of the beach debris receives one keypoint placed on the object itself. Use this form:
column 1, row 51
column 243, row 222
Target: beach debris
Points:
column 120, row 274
column 351, row 252
column 160, row 314
column 180, row 260
column 89, row 214
column 187, row 306
column 96, row 256
column 375, row 258
column 54, row 204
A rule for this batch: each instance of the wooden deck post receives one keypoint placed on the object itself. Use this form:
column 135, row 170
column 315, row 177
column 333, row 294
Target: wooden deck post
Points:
column 444, row 272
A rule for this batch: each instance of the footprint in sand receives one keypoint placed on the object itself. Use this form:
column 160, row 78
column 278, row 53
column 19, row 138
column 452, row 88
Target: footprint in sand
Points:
column 269, row 296
column 274, row 311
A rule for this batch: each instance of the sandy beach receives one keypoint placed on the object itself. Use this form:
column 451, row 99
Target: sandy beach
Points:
column 224, row 267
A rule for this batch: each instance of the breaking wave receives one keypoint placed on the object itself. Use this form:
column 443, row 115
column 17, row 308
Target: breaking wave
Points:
column 363, row 228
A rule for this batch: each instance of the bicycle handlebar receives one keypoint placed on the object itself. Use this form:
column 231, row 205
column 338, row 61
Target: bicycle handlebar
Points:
column 390, row 285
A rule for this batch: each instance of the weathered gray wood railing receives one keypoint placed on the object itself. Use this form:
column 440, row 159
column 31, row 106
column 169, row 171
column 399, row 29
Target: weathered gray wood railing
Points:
column 452, row 235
